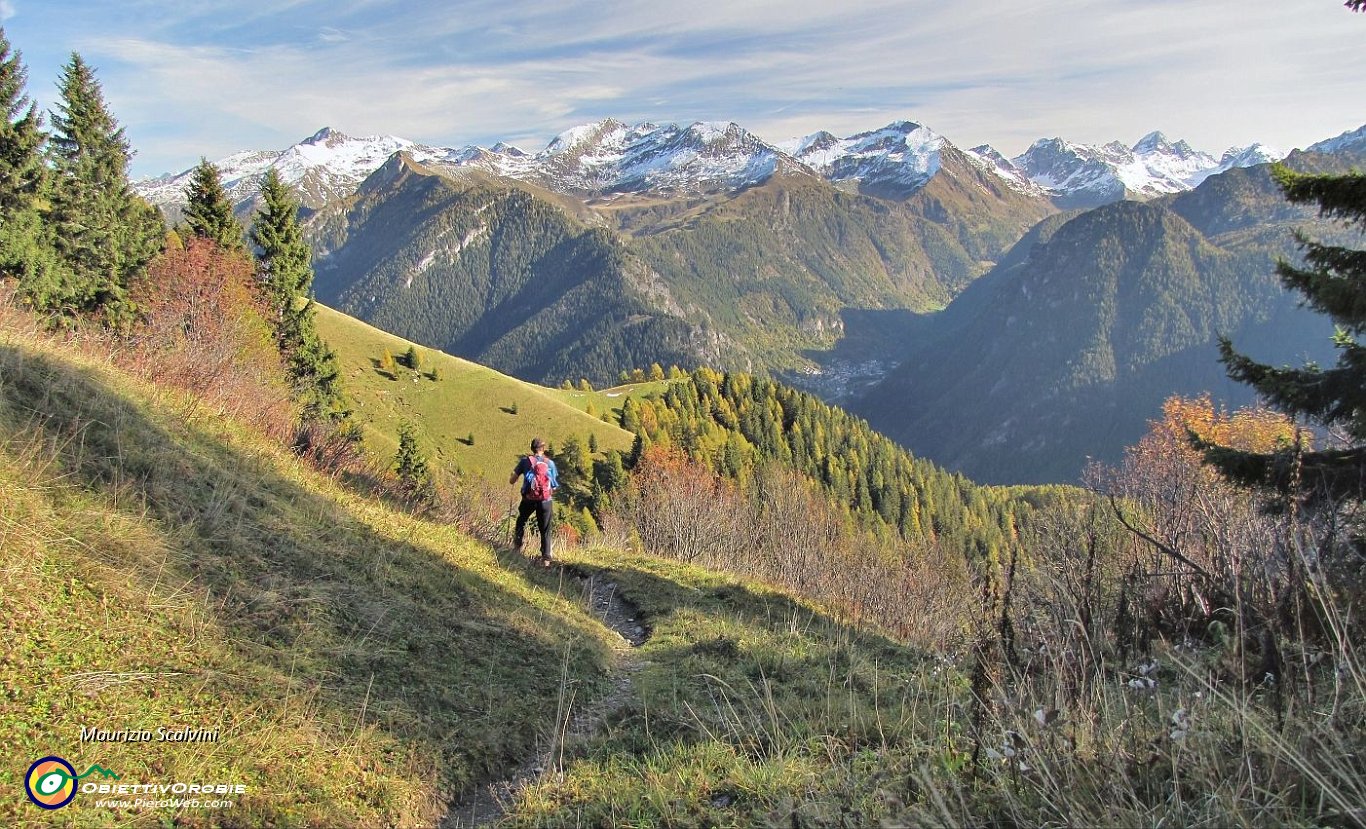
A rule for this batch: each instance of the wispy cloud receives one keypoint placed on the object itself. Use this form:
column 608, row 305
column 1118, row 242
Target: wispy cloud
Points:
column 6, row 10
column 195, row 80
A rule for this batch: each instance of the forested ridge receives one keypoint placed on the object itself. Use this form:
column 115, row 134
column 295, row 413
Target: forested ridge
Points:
column 737, row 422
column 995, row 387
column 757, row 279
column 487, row 271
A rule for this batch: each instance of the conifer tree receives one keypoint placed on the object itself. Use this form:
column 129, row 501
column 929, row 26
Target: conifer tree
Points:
column 24, row 252
column 102, row 232
column 208, row 212
column 410, row 465
column 285, row 271
column 1333, row 281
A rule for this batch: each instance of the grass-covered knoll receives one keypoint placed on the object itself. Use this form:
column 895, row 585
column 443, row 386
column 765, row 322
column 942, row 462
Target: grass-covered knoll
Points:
column 163, row 566
column 465, row 401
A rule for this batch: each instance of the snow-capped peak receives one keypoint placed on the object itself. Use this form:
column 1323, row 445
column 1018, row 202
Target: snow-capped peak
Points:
column 1350, row 140
column 1249, row 156
column 323, row 135
column 584, row 134
column 901, row 157
column 323, row 166
column 611, row 157
column 988, row 158
column 1082, row 175
column 1154, row 141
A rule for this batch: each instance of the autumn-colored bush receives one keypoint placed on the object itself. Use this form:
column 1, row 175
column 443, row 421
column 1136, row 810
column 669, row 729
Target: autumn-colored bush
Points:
column 681, row 509
column 784, row 529
column 201, row 328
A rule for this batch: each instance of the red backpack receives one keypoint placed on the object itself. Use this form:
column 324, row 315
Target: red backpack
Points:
column 537, row 486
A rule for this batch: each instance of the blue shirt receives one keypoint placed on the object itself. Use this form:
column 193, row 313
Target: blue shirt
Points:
column 524, row 466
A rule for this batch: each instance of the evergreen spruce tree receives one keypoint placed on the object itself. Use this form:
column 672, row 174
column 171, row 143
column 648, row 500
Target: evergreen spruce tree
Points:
column 25, row 254
column 410, row 465
column 208, row 213
column 104, row 234
column 1333, row 281
column 285, row 272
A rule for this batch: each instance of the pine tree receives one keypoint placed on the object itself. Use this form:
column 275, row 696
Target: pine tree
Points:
column 285, row 272
column 1333, row 281
column 208, row 212
column 104, row 234
column 412, row 358
column 284, row 262
column 25, row 254
column 575, row 469
column 410, row 465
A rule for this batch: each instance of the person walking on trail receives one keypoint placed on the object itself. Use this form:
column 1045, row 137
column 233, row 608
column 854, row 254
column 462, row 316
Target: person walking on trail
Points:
column 539, row 480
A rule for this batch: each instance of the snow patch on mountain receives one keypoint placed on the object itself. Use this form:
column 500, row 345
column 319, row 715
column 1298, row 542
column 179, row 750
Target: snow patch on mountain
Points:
column 1153, row 166
column 902, row 154
column 987, row 158
column 323, row 166
column 1235, row 157
column 610, row 158
column 1350, row 140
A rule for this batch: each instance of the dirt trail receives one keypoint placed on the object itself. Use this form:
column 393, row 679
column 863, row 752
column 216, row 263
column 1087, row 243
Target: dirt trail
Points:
column 484, row 805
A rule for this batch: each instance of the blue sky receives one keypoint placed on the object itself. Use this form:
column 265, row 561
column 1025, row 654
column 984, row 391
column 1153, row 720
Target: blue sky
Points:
column 200, row 77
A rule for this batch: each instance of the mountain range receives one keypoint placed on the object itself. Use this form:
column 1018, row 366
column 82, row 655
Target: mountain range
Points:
column 1065, row 350
column 1006, row 317
column 611, row 158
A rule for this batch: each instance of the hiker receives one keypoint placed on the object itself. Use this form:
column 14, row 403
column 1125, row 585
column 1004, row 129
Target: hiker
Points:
column 539, row 481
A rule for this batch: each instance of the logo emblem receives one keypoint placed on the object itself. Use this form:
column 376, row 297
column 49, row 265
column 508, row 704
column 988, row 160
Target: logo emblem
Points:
column 51, row 782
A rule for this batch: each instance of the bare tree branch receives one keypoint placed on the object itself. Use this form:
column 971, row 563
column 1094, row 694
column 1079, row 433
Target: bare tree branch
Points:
column 1165, row 548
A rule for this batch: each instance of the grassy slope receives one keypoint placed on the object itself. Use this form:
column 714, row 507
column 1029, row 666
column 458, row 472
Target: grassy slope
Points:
column 160, row 565
column 749, row 708
column 468, row 399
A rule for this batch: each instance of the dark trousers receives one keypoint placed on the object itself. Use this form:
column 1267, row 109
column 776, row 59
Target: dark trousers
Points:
column 545, row 511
